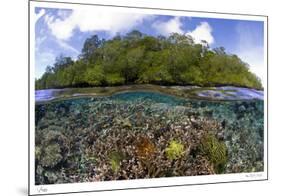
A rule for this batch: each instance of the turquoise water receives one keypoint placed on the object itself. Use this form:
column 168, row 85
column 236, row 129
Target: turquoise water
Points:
column 241, row 122
column 151, row 96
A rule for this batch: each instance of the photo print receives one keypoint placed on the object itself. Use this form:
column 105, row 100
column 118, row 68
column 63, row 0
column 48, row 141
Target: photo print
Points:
column 122, row 96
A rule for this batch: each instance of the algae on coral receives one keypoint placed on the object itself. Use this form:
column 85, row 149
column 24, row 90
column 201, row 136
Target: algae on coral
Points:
column 174, row 150
column 215, row 150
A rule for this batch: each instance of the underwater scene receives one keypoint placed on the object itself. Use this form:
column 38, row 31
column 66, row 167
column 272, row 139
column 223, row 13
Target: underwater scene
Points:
column 140, row 133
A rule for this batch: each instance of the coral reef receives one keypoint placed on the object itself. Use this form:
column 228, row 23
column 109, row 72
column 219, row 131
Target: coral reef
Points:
column 145, row 135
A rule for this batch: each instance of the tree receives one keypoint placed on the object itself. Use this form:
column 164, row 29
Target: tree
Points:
column 49, row 69
column 114, row 79
column 219, row 50
column 133, row 66
column 90, row 46
column 134, row 35
column 62, row 62
column 78, row 70
column 95, row 76
column 176, row 38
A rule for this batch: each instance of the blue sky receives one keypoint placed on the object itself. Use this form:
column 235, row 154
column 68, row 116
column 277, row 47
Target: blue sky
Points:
column 63, row 31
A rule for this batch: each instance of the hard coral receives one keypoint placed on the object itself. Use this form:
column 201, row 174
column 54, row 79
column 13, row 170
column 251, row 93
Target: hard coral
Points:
column 215, row 150
column 51, row 156
column 175, row 150
column 144, row 148
column 115, row 159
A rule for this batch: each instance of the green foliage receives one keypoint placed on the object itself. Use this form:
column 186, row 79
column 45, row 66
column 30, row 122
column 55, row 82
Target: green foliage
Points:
column 90, row 46
column 114, row 79
column 95, row 76
column 138, row 58
column 115, row 159
column 175, row 150
column 133, row 66
column 61, row 63
column 215, row 150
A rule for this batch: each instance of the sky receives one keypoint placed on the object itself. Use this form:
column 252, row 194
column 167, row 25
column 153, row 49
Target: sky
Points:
column 63, row 32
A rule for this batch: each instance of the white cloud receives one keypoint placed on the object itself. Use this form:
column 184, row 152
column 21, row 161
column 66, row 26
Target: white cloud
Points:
column 61, row 29
column 202, row 32
column 92, row 20
column 174, row 25
column 64, row 13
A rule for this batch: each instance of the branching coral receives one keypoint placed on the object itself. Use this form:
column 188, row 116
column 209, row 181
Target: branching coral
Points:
column 175, row 150
column 115, row 159
column 51, row 156
column 215, row 150
column 144, row 148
